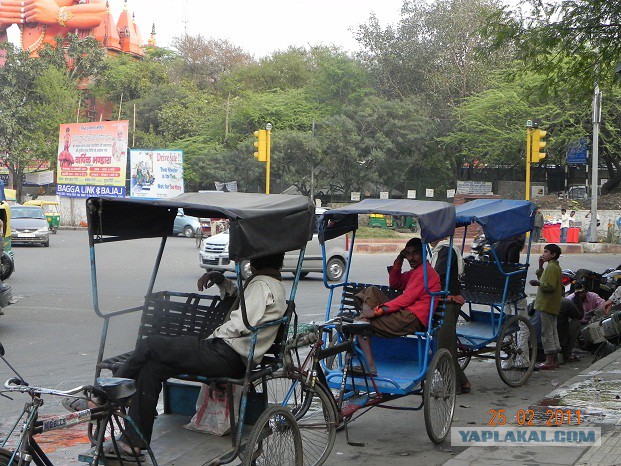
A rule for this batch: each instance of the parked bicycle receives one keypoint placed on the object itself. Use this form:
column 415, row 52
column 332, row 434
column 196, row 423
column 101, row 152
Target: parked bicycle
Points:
column 111, row 395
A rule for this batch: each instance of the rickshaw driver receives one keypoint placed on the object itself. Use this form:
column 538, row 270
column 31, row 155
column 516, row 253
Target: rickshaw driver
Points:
column 405, row 314
column 223, row 354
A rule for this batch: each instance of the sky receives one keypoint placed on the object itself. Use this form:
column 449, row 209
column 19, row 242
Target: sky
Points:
column 260, row 28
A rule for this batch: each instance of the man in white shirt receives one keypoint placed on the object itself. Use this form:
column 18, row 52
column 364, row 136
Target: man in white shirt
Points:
column 564, row 225
column 223, row 354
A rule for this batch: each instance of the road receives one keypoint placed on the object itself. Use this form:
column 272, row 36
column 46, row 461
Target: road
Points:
column 51, row 335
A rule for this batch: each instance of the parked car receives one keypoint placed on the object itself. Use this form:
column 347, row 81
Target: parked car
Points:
column 214, row 255
column 186, row 225
column 29, row 226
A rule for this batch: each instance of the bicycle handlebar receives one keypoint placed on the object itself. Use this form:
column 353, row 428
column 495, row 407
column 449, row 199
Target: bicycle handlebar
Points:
column 15, row 384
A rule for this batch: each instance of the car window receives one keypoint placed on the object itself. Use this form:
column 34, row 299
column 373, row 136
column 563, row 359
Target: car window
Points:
column 27, row 212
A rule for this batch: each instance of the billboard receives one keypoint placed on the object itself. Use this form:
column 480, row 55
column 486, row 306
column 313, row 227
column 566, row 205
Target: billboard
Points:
column 156, row 174
column 92, row 159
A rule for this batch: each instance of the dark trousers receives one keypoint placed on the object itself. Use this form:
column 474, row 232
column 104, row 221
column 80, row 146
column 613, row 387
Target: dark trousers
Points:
column 568, row 332
column 158, row 358
column 447, row 337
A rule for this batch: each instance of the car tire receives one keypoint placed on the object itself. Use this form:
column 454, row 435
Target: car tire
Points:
column 188, row 231
column 302, row 274
column 46, row 244
column 335, row 269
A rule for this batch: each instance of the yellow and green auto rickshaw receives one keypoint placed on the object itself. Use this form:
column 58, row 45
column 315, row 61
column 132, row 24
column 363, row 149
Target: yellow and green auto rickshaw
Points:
column 51, row 210
column 6, row 256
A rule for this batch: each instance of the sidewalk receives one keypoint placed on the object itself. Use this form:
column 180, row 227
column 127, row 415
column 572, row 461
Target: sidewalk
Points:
column 389, row 245
column 597, row 393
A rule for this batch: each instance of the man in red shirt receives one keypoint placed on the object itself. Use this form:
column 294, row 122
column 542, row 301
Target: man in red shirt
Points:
column 409, row 312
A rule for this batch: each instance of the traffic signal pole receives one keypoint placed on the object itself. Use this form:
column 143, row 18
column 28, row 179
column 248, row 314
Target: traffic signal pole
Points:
column 528, row 158
column 268, row 163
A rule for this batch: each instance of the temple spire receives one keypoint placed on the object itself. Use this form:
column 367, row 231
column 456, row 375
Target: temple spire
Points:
column 151, row 41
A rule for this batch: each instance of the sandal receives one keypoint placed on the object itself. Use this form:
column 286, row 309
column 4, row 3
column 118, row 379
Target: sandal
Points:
column 573, row 358
column 546, row 367
column 123, row 454
column 465, row 388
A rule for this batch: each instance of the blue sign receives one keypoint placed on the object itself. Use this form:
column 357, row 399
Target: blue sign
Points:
column 73, row 190
column 577, row 153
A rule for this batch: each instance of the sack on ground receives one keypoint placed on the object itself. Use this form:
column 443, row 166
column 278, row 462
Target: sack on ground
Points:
column 212, row 410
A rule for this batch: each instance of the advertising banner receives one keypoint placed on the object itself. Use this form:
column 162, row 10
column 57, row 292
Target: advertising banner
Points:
column 92, row 159
column 156, row 174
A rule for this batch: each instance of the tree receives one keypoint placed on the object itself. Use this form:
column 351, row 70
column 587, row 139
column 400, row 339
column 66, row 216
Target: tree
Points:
column 36, row 98
column 577, row 42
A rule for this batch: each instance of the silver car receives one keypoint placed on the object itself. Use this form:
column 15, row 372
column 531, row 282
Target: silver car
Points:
column 214, row 255
column 29, row 225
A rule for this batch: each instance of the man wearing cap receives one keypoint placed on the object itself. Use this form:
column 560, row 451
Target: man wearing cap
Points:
column 587, row 301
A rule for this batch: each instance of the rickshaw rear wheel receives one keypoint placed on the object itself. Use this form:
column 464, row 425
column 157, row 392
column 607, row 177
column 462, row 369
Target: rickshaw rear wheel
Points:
column 315, row 411
column 439, row 392
column 514, row 367
column 274, row 440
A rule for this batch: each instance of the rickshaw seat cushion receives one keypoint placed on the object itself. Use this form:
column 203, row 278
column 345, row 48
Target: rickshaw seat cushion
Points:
column 483, row 283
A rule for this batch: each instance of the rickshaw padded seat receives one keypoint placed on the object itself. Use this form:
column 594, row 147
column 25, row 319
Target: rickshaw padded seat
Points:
column 483, row 283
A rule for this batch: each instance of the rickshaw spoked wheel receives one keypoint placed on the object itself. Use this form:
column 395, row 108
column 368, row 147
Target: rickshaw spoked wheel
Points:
column 7, row 266
column 274, row 439
column 516, row 349
column 314, row 409
column 439, row 392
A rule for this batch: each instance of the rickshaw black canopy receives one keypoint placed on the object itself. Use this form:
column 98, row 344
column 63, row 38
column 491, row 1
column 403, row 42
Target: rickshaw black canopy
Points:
column 260, row 224
column 499, row 218
column 436, row 219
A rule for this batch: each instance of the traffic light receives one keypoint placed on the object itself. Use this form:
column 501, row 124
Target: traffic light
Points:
column 261, row 145
column 537, row 145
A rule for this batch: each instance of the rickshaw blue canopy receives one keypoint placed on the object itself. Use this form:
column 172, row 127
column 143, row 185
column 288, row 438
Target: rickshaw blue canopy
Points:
column 436, row 219
column 259, row 224
column 499, row 218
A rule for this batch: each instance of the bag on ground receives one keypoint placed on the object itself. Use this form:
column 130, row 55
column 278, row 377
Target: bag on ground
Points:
column 212, row 411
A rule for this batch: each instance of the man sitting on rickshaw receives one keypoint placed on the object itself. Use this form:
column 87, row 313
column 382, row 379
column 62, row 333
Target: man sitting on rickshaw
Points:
column 406, row 314
column 223, row 354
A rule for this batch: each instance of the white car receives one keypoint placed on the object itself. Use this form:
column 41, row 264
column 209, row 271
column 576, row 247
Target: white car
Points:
column 214, row 255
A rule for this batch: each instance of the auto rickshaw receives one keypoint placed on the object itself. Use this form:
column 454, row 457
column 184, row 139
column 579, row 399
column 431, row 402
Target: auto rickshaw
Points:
column 51, row 210
column 6, row 256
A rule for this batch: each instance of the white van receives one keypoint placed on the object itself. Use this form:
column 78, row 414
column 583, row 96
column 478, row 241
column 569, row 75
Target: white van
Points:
column 214, row 255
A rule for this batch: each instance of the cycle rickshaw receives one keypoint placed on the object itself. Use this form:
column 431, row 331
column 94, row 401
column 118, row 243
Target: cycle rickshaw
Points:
column 321, row 388
column 259, row 225
column 493, row 291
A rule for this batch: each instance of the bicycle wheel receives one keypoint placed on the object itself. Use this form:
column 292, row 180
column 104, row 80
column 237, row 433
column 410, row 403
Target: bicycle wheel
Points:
column 516, row 351
column 315, row 411
column 5, row 457
column 274, row 440
column 439, row 395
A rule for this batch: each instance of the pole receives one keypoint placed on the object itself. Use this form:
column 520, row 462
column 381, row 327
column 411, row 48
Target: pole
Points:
column 268, row 142
column 528, row 157
column 77, row 117
column 120, row 105
column 597, row 116
column 134, row 129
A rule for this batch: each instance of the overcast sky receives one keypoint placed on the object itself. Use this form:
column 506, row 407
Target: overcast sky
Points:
column 260, row 27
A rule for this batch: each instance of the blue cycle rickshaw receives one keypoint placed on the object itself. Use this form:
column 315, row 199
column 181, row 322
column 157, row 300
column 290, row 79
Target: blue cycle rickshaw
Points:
column 409, row 365
column 496, row 325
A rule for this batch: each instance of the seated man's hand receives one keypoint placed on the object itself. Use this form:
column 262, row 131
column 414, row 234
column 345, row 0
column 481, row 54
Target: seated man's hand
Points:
column 607, row 307
column 209, row 279
column 402, row 254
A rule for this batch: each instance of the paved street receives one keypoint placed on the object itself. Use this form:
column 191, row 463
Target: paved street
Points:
column 52, row 336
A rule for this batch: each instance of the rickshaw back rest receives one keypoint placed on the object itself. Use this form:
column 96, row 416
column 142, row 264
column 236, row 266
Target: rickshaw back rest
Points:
column 483, row 283
column 348, row 305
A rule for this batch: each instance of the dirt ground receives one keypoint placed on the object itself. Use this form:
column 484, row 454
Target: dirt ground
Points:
column 552, row 202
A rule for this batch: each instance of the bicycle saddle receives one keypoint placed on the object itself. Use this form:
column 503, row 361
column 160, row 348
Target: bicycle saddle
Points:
column 116, row 388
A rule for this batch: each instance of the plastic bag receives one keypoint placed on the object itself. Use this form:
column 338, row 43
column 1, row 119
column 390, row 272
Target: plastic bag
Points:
column 212, row 411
